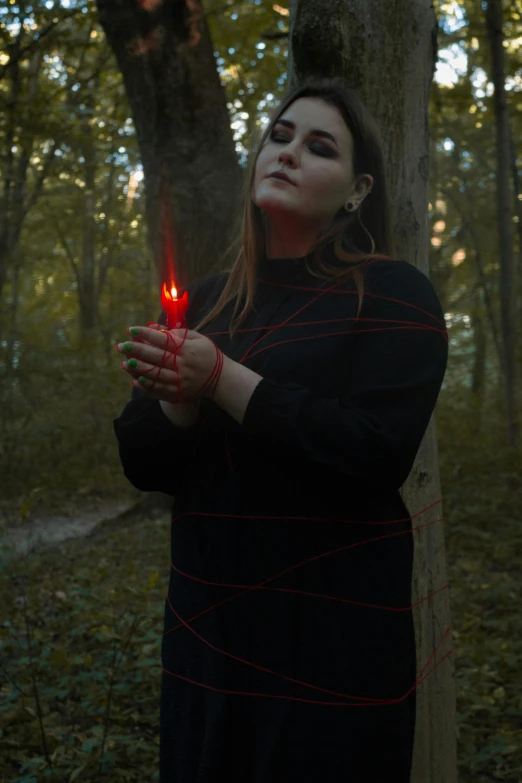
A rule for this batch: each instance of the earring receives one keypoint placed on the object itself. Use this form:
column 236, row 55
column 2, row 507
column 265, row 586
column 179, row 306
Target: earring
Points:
column 350, row 206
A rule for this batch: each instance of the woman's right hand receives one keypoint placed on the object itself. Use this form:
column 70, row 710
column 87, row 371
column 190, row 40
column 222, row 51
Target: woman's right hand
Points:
column 159, row 379
column 182, row 414
column 174, row 366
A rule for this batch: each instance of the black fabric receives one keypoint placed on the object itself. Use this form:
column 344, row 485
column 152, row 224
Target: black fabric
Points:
column 292, row 501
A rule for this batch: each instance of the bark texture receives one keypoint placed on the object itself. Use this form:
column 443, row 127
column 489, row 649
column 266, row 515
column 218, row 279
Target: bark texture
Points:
column 495, row 29
column 387, row 51
column 179, row 108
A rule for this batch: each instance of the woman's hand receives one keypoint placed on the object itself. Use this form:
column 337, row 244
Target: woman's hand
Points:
column 174, row 366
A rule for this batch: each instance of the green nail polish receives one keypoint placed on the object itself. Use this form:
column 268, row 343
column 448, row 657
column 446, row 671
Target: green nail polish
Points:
column 143, row 380
column 133, row 363
column 135, row 332
column 127, row 347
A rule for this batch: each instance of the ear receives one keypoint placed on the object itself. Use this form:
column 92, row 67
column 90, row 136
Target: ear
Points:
column 363, row 186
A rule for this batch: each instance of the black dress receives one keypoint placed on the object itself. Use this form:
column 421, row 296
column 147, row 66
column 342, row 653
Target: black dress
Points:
column 289, row 652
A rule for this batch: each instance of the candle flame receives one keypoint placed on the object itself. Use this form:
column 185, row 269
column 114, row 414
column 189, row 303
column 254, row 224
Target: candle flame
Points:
column 173, row 293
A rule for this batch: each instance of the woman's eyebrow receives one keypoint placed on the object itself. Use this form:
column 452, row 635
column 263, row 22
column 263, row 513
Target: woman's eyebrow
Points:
column 316, row 132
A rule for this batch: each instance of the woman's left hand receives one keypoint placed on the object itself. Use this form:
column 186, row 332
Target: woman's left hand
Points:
column 173, row 366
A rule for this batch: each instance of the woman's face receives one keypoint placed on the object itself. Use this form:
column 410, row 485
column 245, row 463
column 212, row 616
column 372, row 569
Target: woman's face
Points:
column 313, row 142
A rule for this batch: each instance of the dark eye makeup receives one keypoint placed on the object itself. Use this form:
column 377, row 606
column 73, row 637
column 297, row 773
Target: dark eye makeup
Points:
column 279, row 137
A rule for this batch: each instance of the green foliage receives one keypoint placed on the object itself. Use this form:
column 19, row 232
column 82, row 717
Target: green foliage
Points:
column 482, row 493
column 251, row 48
column 89, row 678
column 71, row 444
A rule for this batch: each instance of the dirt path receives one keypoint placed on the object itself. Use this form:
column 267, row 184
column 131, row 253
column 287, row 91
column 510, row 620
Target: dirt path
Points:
column 40, row 530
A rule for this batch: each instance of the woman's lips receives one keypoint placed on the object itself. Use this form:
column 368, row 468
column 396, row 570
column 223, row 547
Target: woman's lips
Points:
column 277, row 175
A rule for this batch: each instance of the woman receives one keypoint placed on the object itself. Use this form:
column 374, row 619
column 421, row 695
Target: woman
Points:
column 289, row 652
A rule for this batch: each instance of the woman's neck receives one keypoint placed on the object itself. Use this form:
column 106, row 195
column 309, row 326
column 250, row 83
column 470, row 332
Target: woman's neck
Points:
column 288, row 240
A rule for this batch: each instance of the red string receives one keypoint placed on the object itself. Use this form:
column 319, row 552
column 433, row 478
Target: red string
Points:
column 262, row 585
column 171, row 348
column 418, row 681
column 294, row 592
column 340, row 320
column 322, row 292
column 215, row 375
column 211, row 384
column 366, row 294
column 376, row 702
column 334, row 334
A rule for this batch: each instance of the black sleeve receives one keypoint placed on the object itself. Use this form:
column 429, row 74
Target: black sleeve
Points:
column 155, row 454
column 397, row 365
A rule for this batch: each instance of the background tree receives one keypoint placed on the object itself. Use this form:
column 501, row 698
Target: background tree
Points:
column 495, row 28
column 165, row 54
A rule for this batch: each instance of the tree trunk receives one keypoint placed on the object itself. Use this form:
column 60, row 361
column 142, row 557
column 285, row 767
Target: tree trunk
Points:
column 479, row 365
column 183, row 128
column 480, row 355
column 517, row 209
column 495, row 30
column 8, row 173
column 481, row 276
column 89, row 290
column 387, row 51
column 12, row 328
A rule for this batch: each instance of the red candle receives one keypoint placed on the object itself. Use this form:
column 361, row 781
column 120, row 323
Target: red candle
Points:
column 174, row 307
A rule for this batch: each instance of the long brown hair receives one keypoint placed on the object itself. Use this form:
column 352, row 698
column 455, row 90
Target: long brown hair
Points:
column 355, row 237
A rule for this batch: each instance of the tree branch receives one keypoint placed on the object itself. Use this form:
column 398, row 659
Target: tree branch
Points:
column 36, row 40
column 86, row 79
column 63, row 242
column 38, row 187
column 277, row 36
column 220, row 8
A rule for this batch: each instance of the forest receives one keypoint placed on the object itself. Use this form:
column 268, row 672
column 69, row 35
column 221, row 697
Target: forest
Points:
column 82, row 159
